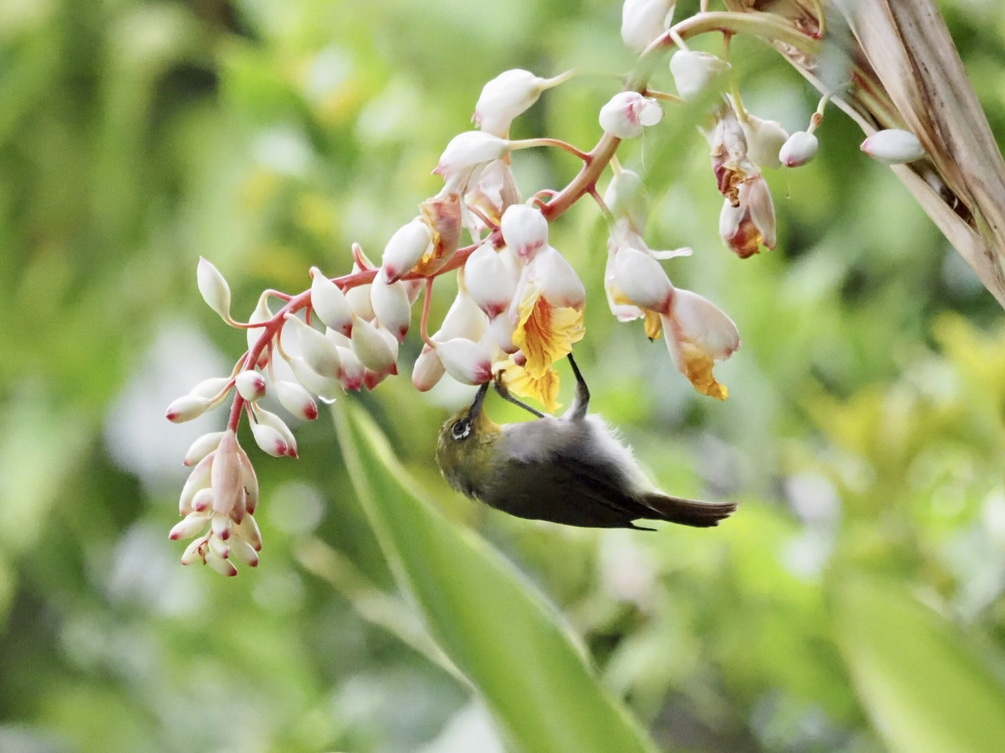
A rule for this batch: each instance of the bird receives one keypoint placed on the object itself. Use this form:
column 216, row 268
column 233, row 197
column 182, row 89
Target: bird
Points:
column 571, row 470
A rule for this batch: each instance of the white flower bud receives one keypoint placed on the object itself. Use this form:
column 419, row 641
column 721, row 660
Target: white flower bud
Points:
column 225, row 476
column 353, row 372
column 391, row 307
column 214, row 289
column 893, row 146
column 800, row 148
column 269, row 440
column 693, row 72
column 501, row 330
column 489, row 281
column 248, row 531
column 468, row 152
column 296, row 399
column 187, row 407
column 359, row 303
column 222, row 566
column 703, row 325
column 203, row 500
column 218, row 548
column 250, row 384
column 317, row 350
column 557, row 280
column 404, row 250
column 466, row 361
column 325, row 388
column 764, row 140
column 372, row 349
column 626, row 198
column 270, row 419
column 524, row 229
column 201, row 447
column 193, row 524
column 427, row 371
column 507, row 96
column 262, row 313
column 642, row 21
column 463, row 319
column 626, row 114
column 330, row 303
column 213, row 388
column 642, row 280
column 243, row 552
column 198, row 479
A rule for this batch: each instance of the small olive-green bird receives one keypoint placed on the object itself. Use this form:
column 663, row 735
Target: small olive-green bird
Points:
column 570, row 470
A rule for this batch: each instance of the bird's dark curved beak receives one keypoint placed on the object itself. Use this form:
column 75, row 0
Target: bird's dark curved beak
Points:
column 476, row 405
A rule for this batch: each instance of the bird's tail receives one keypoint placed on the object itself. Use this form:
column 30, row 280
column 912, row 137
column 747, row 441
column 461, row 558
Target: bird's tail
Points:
column 688, row 512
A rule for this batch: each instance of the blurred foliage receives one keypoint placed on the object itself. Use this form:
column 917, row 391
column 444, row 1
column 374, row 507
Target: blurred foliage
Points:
column 854, row 604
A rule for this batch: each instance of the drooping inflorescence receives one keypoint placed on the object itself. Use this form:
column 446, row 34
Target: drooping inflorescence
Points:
column 519, row 304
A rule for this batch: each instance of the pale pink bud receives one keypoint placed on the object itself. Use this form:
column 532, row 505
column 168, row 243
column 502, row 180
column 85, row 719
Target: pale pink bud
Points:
column 524, row 229
column 243, row 552
column 404, row 250
column 642, row 21
column 222, row 566
column 193, row 524
column 489, row 281
column 507, row 96
column 270, row 440
column 248, row 531
column 250, row 384
column 187, row 407
column 218, row 548
column 330, row 303
column 467, row 154
column 764, row 140
column 694, row 72
column 194, row 552
column 225, row 476
column 427, row 371
column 893, row 146
column 214, row 289
column 463, row 319
column 391, row 307
column 557, row 280
column 642, row 280
column 353, row 372
column 372, row 349
column 318, row 352
column 627, row 113
column 203, row 500
column 201, row 447
column 296, row 399
column 626, row 198
column 325, row 388
column 270, row 419
column 466, row 361
column 198, row 479
column 249, row 480
column 800, row 148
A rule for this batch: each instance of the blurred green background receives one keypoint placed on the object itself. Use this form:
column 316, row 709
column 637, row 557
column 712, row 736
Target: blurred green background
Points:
column 854, row 602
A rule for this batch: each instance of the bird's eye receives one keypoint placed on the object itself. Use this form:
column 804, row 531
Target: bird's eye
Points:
column 460, row 430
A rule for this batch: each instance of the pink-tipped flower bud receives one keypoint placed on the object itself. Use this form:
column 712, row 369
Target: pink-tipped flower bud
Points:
column 695, row 72
column 466, row 156
column 243, row 552
column 627, row 113
column 250, row 385
column 270, row 419
column 893, row 146
column 225, row 476
column 391, row 308
column 404, row 250
column 353, row 372
column 466, row 361
column 202, row 501
column 187, row 407
column 222, row 566
column 641, row 280
column 325, row 388
column 800, row 148
column 201, row 447
column 427, row 371
column 642, row 21
column 524, row 229
column 507, row 96
column 330, row 303
column 192, row 525
column 463, row 319
column 372, row 348
column 296, row 399
column 214, row 289
column 318, row 352
column 269, row 440
column 490, row 282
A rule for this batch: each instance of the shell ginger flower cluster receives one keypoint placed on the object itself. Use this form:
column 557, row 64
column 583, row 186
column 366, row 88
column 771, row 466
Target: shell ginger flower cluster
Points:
column 518, row 303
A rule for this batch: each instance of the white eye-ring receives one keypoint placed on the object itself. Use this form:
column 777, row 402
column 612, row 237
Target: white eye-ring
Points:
column 460, row 430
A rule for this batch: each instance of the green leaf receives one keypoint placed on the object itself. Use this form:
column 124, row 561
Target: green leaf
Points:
column 920, row 680
column 489, row 621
